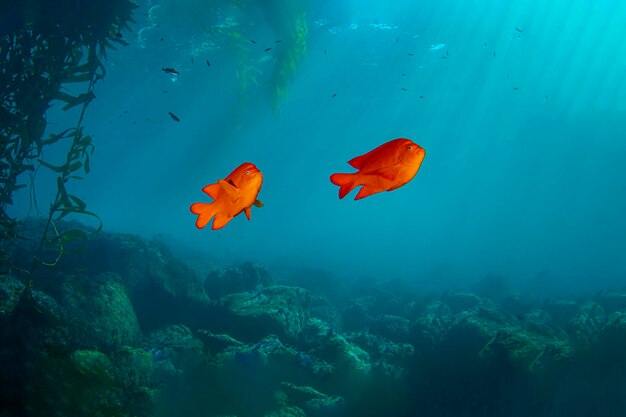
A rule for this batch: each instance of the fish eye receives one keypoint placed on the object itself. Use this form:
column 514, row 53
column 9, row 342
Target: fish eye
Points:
column 410, row 147
column 248, row 172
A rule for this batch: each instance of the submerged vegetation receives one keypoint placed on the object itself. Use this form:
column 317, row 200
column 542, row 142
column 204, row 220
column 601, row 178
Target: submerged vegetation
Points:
column 287, row 20
column 44, row 47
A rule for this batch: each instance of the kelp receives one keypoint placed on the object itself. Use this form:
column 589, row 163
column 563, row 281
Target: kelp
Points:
column 288, row 21
column 286, row 62
column 45, row 45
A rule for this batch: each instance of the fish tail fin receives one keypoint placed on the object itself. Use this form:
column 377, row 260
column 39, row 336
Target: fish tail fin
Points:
column 205, row 212
column 346, row 183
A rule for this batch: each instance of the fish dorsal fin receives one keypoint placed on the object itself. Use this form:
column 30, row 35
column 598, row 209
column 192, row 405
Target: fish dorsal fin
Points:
column 248, row 212
column 257, row 203
column 357, row 163
column 231, row 190
column 212, row 190
column 385, row 154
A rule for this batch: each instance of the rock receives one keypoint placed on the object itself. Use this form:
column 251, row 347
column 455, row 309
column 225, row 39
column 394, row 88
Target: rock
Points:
column 278, row 310
column 216, row 343
column 355, row 317
column 313, row 402
column 561, row 310
column 10, row 290
column 526, row 349
column 611, row 301
column 237, row 279
column 94, row 365
column 177, row 343
column 585, row 327
column 347, row 358
column 459, row 301
column 381, row 349
column 612, row 339
column 392, row 327
column 99, row 313
column 430, row 328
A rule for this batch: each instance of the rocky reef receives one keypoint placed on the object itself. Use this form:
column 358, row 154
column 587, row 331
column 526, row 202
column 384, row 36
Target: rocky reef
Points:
column 122, row 328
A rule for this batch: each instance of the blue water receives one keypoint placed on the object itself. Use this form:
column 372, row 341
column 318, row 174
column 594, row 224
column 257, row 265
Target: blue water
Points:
column 519, row 105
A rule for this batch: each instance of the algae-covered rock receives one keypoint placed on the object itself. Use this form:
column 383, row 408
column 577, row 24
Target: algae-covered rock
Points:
column 177, row 344
column 245, row 277
column 586, row 324
column 100, row 313
column 382, row 349
column 459, row 301
column 561, row 310
column 216, row 343
column 94, row 365
column 612, row 338
column 392, row 327
column 611, row 301
column 273, row 310
column 313, row 402
column 346, row 357
column 10, row 290
column 430, row 328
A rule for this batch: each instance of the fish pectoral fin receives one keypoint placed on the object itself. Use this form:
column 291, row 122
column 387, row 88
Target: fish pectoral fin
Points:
column 248, row 212
column 388, row 173
column 231, row 190
column 212, row 190
column 257, row 203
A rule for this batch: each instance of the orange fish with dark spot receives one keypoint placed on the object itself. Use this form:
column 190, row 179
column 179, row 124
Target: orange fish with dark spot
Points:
column 235, row 194
column 385, row 168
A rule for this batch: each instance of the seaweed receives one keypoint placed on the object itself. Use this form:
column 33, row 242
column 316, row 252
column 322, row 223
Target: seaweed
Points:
column 45, row 46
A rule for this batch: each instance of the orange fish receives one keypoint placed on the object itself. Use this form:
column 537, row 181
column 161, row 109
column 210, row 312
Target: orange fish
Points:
column 385, row 168
column 234, row 194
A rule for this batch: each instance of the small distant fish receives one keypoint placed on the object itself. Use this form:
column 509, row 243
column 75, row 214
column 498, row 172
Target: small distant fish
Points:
column 404, row 89
column 438, row 46
column 546, row 97
column 324, row 51
column 403, row 74
column 411, row 54
column 515, row 88
column 174, row 117
column 170, row 71
column 278, row 41
column 494, row 54
column 118, row 34
column 252, row 41
column 421, row 96
column 192, row 60
column 267, row 49
column 161, row 39
column 208, row 64
column 485, row 45
column 334, row 95
column 519, row 30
